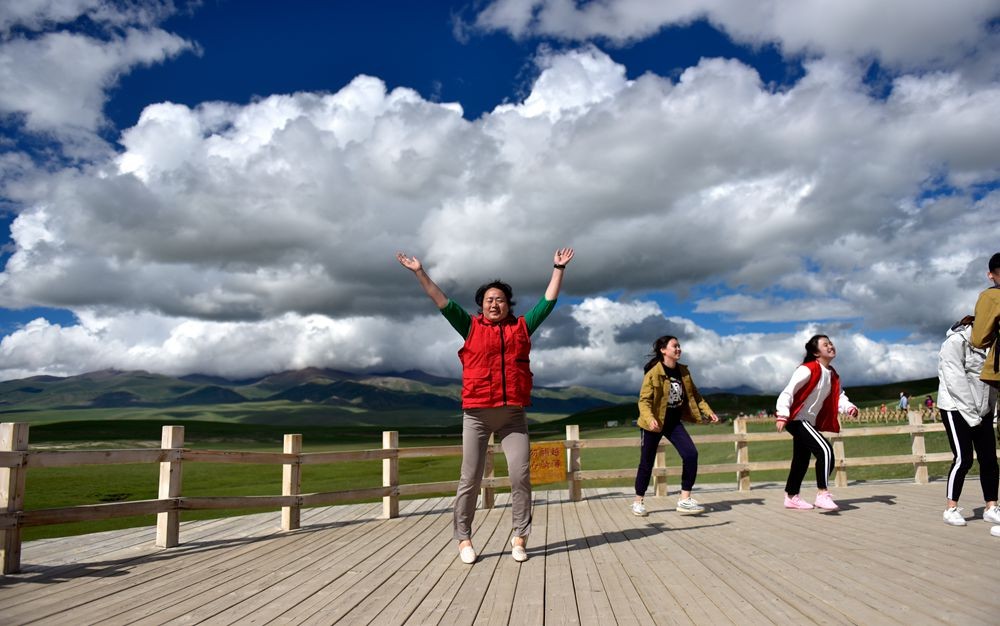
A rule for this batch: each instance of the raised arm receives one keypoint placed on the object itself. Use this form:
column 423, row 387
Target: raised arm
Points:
column 411, row 263
column 560, row 260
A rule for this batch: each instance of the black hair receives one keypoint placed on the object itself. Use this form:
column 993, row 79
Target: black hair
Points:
column 812, row 347
column 656, row 356
column 496, row 284
column 965, row 321
column 995, row 262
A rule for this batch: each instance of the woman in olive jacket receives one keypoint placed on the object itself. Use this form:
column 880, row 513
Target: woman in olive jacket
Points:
column 668, row 398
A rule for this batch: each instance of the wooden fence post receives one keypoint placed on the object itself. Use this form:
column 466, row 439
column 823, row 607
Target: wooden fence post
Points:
column 390, row 474
column 489, row 493
column 840, row 477
column 660, row 482
column 919, row 449
column 168, row 523
column 742, row 454
column 291, row 483
column 573, row 463
column 13, row 438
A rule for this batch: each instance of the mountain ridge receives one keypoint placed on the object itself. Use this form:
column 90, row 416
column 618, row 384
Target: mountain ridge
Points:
column 382, row 391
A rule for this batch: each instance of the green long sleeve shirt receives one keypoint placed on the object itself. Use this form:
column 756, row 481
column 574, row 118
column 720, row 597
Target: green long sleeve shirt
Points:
column 461, row 321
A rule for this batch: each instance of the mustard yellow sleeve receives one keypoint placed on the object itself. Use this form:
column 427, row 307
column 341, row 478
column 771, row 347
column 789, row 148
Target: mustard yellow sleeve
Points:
column 987, row 313
column 646, row 398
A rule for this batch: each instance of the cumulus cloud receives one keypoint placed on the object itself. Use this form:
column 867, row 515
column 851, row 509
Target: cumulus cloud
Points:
column 248, row 238
column 55, row 83
column 602, row 356
column 35, row 15
column 904, row 34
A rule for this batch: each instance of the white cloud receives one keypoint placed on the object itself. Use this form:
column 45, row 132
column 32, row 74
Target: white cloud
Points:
column 59, row 81
column 901, row 33
column 745, row 308
column 37, row 15
column 261, row 235
column 181, row 346
column 55, row 83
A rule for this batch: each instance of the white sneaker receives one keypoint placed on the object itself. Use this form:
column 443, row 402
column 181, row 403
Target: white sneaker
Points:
column 468, row 555
column 689, row 506
column 992, row 515
column 953, row 516
column 995, row 531
column 518, row 552
column 639, row 509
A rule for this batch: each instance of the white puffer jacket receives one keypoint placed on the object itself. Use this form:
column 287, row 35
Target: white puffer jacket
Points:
column 959, row 388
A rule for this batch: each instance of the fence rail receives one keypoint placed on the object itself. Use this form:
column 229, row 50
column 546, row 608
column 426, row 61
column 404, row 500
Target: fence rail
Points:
column 16, row 459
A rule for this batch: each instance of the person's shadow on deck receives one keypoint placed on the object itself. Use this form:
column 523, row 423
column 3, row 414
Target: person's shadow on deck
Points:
column 646, row 530
column 850, row 503
column 612, row 537
column 727, row 505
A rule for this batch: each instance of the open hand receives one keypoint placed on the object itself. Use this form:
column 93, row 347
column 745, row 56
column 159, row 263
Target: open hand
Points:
column 563, row 256
column 409, row 262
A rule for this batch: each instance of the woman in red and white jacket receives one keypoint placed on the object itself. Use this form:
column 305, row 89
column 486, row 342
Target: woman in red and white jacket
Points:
column 808, row 404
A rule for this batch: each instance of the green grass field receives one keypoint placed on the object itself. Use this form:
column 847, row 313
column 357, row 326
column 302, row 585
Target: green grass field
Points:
column 61, row 487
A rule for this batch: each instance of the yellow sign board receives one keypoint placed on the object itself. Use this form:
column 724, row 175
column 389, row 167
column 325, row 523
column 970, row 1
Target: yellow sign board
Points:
column 548, row 463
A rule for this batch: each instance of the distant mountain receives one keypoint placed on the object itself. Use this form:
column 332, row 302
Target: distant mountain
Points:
column 116, row 399
column 420, row 376
column 212, row 394
column 383, row 392
column 294, row 378
column 741, row 390
column 317, row 396
column 205, row 379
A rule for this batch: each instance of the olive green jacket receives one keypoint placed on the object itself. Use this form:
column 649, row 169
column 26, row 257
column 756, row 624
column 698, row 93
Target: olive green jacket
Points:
column 984, row 332
column 652, row 403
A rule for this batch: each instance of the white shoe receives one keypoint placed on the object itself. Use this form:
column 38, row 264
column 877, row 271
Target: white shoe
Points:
column 468, row 555
column 689, row 506
column 518, row 552
column 953, row 517
column 992, row 515
column 639, row 509
column 995, row 531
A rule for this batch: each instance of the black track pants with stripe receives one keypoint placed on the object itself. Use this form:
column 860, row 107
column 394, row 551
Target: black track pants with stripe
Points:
column 806, row 442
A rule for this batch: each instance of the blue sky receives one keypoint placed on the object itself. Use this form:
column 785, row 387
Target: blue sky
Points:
column 219, row 187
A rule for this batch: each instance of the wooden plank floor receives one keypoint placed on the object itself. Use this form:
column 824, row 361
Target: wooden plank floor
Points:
column 885, row 558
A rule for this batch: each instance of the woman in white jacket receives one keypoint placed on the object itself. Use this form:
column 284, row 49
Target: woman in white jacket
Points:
column 967, row 406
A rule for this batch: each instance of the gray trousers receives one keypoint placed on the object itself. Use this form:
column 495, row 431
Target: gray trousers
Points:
column 511, row 428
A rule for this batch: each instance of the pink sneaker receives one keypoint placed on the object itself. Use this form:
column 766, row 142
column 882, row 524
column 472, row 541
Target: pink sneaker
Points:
column 795, row 502
column 825, row 501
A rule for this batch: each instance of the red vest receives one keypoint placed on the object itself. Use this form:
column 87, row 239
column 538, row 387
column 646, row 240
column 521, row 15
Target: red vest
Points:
column 826, row 419
column 495, row 368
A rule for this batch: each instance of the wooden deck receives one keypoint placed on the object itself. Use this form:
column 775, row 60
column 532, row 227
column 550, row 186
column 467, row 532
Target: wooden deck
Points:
column 885, row 558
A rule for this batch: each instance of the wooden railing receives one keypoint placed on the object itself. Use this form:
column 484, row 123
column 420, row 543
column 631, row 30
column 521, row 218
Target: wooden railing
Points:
column 16, row 459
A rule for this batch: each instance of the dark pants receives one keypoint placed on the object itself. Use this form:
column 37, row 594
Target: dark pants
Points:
column 963, row 439
column 679, row 438
column 806, row 442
